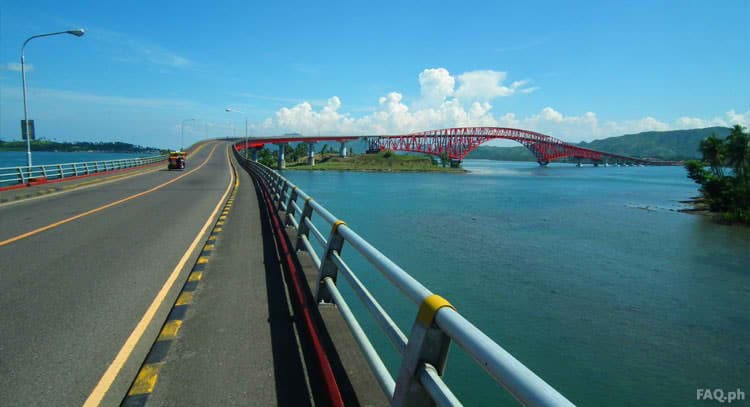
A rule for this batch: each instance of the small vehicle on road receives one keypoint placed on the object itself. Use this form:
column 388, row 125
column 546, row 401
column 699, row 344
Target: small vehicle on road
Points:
column 177, row 160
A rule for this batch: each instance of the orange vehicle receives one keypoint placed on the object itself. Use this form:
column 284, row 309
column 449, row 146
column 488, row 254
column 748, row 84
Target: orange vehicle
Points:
column 177, row 160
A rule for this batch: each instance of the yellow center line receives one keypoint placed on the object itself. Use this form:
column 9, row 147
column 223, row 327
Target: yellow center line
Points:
column 103, row 207
column 101, row 389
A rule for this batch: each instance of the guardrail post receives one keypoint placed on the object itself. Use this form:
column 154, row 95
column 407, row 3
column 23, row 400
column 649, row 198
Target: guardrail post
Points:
column 75, row 170
column 96, row 166
column 427, row 344
column 276, row 188
column 327, row 267
column 60, row 169
column 21, row 177
column 86, row 166
column 44, row 171
column 303, row 229
column 282, row 196
column 290, row 211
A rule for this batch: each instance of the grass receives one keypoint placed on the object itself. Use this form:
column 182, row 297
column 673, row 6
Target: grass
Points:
column 382, row 161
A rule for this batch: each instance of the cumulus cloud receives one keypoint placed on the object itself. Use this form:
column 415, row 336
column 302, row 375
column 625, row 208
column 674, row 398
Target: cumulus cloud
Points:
column 436, row 85
column 440, row 104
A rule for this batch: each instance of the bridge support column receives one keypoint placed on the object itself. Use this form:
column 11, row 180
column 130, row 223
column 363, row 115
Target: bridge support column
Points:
column 282, row 164
column 455, row 163
column 310, row 154
column 342, row 149
column 254, row 154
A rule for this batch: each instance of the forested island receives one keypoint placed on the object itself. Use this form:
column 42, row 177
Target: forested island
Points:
column 77, row 146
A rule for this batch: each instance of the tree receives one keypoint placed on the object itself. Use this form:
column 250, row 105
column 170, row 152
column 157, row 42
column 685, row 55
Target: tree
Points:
column 728, row 194
column 444, row 160
column 738, row 152
column 712, row 149
column 267, row 158
column 301, row 150
column 290, row 153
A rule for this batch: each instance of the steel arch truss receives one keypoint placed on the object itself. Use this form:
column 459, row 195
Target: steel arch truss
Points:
column 456, row 143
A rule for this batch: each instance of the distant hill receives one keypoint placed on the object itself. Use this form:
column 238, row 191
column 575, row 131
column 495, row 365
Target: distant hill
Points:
column 663, row 145
column 47, row 145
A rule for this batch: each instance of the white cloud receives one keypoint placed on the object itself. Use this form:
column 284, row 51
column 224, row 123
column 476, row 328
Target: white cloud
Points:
column 16, row 67
column 482, row 85
column 441, row 105
column 436, row 85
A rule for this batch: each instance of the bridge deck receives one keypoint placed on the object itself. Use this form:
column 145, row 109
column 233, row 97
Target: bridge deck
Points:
column 238, row 343
column 74, row 295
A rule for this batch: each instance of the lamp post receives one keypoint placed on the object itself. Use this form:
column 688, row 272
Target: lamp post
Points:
column 182, row 134
column 247, row 153
column 79, row 32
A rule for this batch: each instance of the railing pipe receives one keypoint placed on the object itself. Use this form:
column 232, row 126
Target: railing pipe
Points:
column 310, row 251
column 521, row 382
column 383, row 376
column 436, row 387
column 397, row 338
column 413, row 289
column 316, row 233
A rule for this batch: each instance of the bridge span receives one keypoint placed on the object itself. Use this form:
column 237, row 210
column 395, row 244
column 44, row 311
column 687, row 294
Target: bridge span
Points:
column 455, row 144
column 217, row 285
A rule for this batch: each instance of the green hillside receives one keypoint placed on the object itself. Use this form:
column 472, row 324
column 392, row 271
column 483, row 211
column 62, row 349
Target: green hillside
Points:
column 663, row 145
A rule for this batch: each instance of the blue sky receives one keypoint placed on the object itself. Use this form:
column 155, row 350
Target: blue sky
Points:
column 577, row 71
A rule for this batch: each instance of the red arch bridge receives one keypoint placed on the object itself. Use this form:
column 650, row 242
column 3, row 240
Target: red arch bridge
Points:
column 457, row 143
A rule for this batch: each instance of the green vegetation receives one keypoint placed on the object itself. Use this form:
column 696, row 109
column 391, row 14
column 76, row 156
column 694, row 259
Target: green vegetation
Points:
column 723, row 173
column 79, row 146
column 663, row 145
column 385, row 161
column 518, row 153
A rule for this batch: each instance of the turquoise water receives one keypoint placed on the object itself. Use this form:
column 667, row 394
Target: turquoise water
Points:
column 18, row 158
column 587, row 275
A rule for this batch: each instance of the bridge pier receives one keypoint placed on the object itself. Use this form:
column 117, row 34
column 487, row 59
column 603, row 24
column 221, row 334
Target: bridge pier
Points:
column 543, row 163
column 310, row 154
column 455, row 163
column 281, row 164
column 342, row 149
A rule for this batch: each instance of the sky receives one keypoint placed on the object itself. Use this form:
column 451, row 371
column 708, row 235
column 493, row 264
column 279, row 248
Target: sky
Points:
column 574, row 70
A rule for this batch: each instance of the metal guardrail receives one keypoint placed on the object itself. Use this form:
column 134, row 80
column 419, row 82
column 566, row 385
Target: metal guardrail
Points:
column 22, row 175
column 437, row 324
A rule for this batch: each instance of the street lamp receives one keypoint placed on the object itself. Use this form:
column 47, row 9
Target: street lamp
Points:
column 247, row 153
column 182, row 134
column 79, row 32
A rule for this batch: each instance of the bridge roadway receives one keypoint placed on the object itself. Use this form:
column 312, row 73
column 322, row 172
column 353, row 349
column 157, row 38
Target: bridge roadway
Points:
column 88, row 277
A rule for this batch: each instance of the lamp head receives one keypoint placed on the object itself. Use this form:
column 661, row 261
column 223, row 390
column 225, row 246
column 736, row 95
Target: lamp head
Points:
column 78, row 33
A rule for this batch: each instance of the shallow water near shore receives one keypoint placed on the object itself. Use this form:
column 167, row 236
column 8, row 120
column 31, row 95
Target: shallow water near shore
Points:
column 589, row 276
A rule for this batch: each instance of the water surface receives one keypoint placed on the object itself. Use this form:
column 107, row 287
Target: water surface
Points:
column 587, row 275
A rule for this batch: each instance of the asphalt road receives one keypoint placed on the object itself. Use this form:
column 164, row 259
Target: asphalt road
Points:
column 72, row 294
column 237, row 344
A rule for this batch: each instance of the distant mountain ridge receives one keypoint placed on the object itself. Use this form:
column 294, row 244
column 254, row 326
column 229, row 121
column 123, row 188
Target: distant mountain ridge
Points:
column 670, row 145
